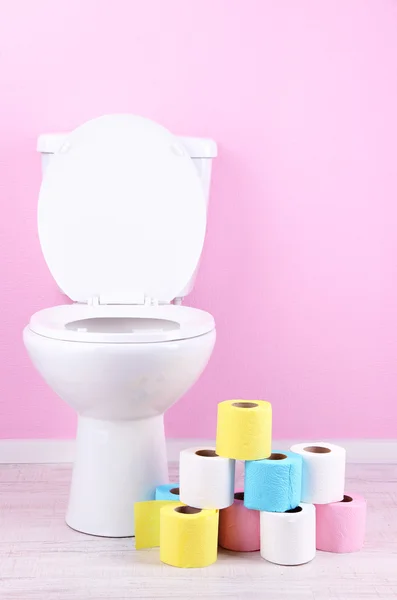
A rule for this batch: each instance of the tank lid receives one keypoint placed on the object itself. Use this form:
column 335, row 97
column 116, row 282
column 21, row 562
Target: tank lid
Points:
column 199, row 147
column 49, row 143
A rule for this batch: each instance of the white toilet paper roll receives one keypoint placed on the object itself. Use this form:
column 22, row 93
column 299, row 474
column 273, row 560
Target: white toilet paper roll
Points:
column 206, row 480
column 323, row 473
column 289, row 538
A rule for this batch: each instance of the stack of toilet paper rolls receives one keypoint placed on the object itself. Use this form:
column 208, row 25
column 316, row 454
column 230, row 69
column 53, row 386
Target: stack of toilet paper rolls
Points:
column 293, row 501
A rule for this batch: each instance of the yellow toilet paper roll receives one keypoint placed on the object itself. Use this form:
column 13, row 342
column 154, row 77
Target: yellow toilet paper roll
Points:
column 147, row 522
column 188, row 536
column 244, row 430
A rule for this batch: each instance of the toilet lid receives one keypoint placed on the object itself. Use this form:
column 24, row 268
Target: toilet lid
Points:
column 121, row 213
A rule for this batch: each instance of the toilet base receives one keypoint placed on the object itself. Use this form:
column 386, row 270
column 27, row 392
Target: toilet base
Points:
column 117, row 463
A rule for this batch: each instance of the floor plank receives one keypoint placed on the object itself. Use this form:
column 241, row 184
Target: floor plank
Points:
column 42, row 559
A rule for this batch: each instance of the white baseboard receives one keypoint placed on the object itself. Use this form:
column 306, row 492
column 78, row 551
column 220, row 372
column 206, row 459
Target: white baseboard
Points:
column 62, row 451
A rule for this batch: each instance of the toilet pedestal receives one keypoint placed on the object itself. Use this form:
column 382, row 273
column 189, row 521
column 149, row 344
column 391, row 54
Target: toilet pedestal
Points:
column 117, row 463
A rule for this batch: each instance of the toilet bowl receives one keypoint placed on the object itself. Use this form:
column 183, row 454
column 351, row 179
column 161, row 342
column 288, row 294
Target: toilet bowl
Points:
column 122, row 215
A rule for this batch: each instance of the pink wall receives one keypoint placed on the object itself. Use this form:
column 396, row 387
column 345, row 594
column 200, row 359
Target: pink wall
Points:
column 300, row 264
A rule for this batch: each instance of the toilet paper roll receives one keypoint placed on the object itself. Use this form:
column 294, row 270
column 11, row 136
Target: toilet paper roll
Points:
column 244, row 430
column 340, row 526
column 273, row 484
column 323, row 472
column 168, row 491
column 147, row 522
column 188, row 536
column 289, row 538
column 239, row 528
column 206, row 480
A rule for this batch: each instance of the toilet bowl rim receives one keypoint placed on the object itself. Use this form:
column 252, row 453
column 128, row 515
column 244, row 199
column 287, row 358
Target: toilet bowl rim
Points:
column 189, row 323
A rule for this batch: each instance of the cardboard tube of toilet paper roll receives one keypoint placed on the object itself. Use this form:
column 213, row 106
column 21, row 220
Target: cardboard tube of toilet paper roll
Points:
column 323, row 472
column 273, row 484
column 239, row 527
column 168, row 491
column 244, row 429
column 147, row 522
column 289, row 538
column 188, row 536
column 206, row 480
column 340, row 526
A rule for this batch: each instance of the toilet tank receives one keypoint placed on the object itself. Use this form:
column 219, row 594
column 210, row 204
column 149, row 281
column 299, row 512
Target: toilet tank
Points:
column 201, row 151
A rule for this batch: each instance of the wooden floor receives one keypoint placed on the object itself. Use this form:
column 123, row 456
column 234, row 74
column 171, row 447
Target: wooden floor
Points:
column 42, row 559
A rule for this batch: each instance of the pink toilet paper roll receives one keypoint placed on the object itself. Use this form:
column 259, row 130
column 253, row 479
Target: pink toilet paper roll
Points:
column 239, row 527
column 340, row 526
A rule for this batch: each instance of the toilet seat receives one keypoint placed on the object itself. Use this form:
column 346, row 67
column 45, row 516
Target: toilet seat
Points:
column 122, row 213
column 121, row 323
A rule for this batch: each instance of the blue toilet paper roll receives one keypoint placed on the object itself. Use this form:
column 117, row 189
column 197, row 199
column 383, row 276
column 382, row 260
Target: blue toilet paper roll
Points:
column 273, row 484
column 168, row 491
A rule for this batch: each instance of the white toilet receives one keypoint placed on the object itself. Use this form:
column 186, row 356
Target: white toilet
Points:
column 121, row 219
